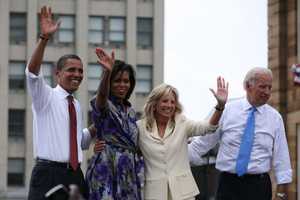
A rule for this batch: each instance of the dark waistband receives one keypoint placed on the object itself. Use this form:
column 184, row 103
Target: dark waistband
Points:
column 54, row 163
column 246, row 176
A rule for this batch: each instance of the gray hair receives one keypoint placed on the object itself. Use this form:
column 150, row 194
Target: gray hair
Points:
column 251, row 75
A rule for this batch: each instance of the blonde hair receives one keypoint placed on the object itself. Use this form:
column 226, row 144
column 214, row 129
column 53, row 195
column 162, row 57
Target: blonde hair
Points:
column 152, row 101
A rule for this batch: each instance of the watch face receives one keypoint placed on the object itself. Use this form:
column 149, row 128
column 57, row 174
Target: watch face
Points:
column 281, row 195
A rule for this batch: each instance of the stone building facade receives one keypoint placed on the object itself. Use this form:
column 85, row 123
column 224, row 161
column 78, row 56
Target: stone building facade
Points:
column 283, row 52
column 134, row 28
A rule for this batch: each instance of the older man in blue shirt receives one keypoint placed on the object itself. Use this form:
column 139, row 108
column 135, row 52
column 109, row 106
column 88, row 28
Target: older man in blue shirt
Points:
column 244, row 158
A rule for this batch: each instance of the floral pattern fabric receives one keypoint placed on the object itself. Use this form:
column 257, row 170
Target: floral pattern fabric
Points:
column 116, row 173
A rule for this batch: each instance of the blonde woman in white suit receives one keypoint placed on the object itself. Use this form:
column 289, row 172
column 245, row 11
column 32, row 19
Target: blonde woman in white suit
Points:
column 163, row 140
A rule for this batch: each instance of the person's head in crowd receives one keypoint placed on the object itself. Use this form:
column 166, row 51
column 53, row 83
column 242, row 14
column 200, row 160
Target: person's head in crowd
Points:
column 162, row 104
column 122, row 80
column 69, row 72
column 258, row 85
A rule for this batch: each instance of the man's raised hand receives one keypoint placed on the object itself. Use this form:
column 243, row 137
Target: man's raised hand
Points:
column 47, row 24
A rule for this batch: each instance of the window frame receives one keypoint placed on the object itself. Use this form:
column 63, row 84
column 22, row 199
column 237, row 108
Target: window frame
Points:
column 49, row 78
column 141, row 32
column 13, row 78
column 12, row 28
column 101, row 31
column 109, row 32
column 148, row 79
column 16, row 123
column 96, row 77
column 15, row 175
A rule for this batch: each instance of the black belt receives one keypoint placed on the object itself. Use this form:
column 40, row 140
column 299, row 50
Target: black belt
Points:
column 246, row 176
column 54, row 163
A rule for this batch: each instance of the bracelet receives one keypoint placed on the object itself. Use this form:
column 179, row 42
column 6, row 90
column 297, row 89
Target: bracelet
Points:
column 218, row 108
column 43, row 37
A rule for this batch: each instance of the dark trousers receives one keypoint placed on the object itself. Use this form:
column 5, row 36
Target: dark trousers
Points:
column 247, row 187
column 206, row 177
column 46, row 175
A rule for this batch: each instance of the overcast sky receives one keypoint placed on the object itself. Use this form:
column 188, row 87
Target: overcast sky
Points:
column 208, row 38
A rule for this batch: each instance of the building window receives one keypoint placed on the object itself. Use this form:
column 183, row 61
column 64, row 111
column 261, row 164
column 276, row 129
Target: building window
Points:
column 16, row 76
column 96, row 30
column 66, row 31
column 48, row 71
column 116, row 35
column 144, row 32
column 17, row 28
column 107, row 31
column 16, row 123
column 143, row 79
column 94, row 74
column 15, row 171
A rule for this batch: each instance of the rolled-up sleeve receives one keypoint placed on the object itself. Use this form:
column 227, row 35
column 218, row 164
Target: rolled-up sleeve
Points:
column 200, row 145
column 86, row 139
column 281, row 158
column 38, row 89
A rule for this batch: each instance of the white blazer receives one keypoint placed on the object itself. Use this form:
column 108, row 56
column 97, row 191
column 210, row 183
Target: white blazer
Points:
column 166, row 159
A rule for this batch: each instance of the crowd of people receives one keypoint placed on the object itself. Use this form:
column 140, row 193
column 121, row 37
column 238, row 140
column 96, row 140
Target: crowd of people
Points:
column 149, row 158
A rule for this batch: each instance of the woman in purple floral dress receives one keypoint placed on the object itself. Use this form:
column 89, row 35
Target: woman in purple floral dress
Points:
column 117, row 172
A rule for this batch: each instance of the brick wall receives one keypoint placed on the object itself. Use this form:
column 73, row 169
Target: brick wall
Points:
column 282, row 53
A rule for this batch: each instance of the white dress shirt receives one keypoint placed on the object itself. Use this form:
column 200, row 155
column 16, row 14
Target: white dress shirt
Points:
column 51, row 126
column 269, row 148
column 201, row 145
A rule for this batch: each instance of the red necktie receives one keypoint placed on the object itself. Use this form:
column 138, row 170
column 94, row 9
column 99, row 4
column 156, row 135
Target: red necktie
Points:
column 73, row 134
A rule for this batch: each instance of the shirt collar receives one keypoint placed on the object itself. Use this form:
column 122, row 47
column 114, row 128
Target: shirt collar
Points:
column 168, row 131
column 247, row 106
column 62, row 93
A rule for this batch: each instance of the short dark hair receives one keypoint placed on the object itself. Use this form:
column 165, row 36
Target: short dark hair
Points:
column 62, row 60
column 120, row 66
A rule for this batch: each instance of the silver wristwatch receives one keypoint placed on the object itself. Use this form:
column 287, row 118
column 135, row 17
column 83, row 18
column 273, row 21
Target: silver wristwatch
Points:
column 281, row 195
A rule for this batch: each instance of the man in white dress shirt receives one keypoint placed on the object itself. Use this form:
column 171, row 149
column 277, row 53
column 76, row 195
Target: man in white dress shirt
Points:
column 58, row 138
column 269, row 148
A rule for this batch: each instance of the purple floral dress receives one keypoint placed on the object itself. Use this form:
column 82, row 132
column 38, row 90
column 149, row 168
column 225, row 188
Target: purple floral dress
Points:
column 117, row 172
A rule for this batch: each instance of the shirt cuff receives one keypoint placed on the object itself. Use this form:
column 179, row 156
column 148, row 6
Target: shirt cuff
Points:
column 283, row 177
column 86, row 139
column 212, row 128
column 194, row 158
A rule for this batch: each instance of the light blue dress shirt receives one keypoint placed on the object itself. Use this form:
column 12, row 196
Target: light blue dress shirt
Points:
column 270, row 149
